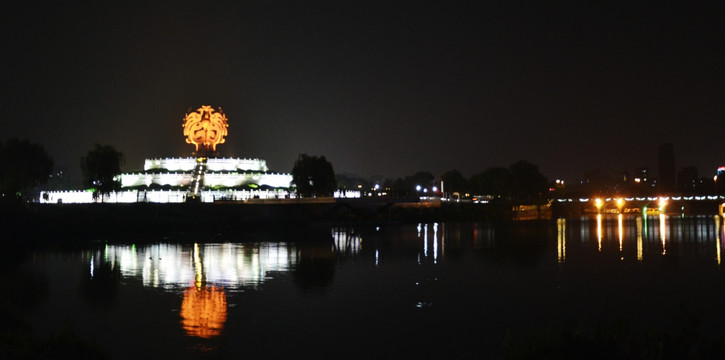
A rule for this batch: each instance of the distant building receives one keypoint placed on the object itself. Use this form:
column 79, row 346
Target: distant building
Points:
column 640, row 175
column 667, row 172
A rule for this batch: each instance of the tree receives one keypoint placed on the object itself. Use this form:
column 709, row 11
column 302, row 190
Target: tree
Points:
column 424, row 179
column 100, row 166
column 528, row 184
column 453, row 181
column 313, row 176
column 23, row 166
column 494, row 181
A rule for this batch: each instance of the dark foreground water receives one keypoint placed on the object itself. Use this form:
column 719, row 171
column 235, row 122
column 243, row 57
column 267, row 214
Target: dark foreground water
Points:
column 606, row 287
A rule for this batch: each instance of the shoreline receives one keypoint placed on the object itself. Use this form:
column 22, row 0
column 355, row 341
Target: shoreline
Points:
column 35, row 225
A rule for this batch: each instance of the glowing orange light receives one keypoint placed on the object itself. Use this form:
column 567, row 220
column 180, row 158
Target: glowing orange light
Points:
column 598, row 203
column 204, row 311
column 663, row 204
column 205, row 127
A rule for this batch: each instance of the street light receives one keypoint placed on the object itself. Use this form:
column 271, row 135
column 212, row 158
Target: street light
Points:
column 598, row 203
column 620, row 204
column 663, row 204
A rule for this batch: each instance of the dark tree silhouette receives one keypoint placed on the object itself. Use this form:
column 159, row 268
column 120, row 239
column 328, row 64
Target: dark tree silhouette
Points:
column 313, row 176
column 23, row 166
column 423, row 178
column 453, row 181
column 494, row 181
column 528, row 184
column 100, row 166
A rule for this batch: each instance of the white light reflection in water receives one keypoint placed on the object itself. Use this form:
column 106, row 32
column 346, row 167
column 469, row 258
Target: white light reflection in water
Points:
column 437, row 249
column 718, row 234
column 640, row 249
column 561, row 239
column 425, row 240
column 347, row 241
column 174, row 265
column 435, row 243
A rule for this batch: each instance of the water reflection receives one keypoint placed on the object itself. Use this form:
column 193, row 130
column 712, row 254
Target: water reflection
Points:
column 620, row 227
column 599, row 231
column 174, row 266
column 717, row 238
column 430, row 245
column 204, row 311
column 663, row 233
column 561, row 239
column 347, row 240
column 203, row 308
column 640, row 251
column 660, row 234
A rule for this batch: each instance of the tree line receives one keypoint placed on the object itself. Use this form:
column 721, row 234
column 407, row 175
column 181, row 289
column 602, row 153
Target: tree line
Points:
column 521, row 182
column 26, row 166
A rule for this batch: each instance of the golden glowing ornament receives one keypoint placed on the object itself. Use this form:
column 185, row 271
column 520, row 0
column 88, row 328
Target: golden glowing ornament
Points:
column 205, row 127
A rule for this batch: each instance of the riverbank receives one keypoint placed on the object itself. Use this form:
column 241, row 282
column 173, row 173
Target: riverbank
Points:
column 48, row 224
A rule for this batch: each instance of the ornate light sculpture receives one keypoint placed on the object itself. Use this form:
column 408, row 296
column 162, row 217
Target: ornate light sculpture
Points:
column 205, row 128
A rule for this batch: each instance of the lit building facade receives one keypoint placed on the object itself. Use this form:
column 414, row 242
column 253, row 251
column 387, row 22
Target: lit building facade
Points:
column 219, row 173
column 204, row 177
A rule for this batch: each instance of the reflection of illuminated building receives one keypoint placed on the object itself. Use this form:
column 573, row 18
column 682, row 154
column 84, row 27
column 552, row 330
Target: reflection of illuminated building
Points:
column 177, row 266
column 347, row 241
column 204, row 308
column 204, row 311
column 430, row 246
column 203, row 271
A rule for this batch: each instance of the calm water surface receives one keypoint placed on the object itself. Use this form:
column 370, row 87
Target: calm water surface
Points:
column 436, row 290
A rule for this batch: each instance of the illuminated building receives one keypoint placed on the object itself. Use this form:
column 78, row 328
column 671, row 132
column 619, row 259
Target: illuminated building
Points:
column 204, row 177
column 220, row 173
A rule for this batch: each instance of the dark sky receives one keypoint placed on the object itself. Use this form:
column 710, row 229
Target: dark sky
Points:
column 385, row 88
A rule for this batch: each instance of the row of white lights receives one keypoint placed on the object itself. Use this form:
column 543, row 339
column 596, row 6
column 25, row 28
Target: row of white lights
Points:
column 673, row 198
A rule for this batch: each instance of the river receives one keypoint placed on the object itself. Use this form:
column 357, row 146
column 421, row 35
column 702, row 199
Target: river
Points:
column 631, row 286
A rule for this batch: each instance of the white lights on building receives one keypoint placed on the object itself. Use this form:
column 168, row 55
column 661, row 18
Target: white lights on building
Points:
column 223, row 179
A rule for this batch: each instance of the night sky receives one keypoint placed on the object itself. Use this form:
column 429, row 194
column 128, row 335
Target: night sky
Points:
column 377, row 88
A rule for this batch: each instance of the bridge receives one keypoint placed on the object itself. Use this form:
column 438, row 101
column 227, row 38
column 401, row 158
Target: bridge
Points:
column 692, row 204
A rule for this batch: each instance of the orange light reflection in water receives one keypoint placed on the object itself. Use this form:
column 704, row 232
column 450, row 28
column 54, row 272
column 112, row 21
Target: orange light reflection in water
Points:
column 561, row 239
column 204, row 311
column 640, row 250
column 599, row 231
column 620, row 224
column 663, row 231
